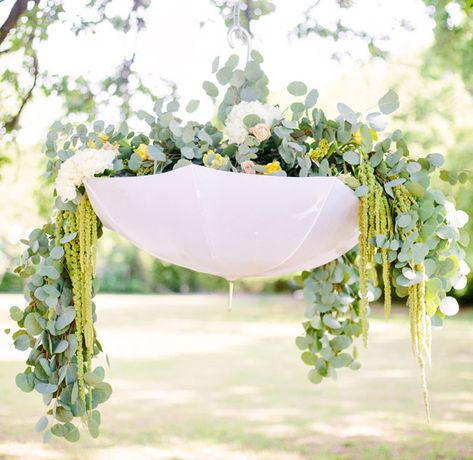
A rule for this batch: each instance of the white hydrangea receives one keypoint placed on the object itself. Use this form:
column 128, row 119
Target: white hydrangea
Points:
column 82, row 165
column 236, row 131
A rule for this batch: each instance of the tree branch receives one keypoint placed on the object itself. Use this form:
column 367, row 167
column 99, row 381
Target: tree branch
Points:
column 17, row 10
column 12, row 123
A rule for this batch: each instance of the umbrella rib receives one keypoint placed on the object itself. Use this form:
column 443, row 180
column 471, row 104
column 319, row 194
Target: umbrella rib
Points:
column 305, row 236
column 203, row 214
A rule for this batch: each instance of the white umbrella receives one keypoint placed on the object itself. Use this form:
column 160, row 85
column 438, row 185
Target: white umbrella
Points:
column 229, row 224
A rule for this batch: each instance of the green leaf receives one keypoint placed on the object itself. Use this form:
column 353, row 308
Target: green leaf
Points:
column 377, row 121
column 101, row 392
column 49, row 271
column 68, row 238
column 210, row 89
column 341, row 360
column 71, row 432
column 91, row 378
column 22, row 342
column 66, row 318
column 347, row 113
column 389, row 102
column 435, row 159
column 24, row 383
column 404, row 220
column 100, row 372
column 44, row 363
column 331, row 322
column 187, row 152
column 192, row 106
column 156, row 152
column 297, row 107
column 58, row 430
column 308, row 358
column 74, row 393
column 134, row 162
column 311, row 98
column 258, row 57
column 314, row 376
column 99, row 126
column 215, row 64
column 57, row 253
column 173, row 106
column 16, row 314
column 224, row 75
column 297, row 88
column 64, row 415
column 302, row 342
column 45, row 388
column 352, row 157
column 251, row 120
column 362, row 190
column 47, row 436
column 61, row 346
column 41, row 424
column 341, row 342
column 232, row 61
column 93, row 427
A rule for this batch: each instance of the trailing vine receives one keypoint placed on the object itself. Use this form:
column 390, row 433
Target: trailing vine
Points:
column 410, row 243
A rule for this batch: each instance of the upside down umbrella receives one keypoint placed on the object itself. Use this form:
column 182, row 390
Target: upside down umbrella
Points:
column 229, row 224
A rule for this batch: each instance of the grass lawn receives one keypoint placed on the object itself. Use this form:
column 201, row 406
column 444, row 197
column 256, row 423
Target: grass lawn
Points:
column 192, row 381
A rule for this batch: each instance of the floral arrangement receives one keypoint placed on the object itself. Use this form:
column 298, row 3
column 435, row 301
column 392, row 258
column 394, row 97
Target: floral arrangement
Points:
column 410, row 241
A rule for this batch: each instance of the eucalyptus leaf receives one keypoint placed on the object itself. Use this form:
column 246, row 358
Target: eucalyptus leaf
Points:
column 210, row 89
column 389, row 102
column 297, row 88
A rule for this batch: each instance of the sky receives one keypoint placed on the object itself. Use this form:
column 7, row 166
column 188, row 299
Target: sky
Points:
column 176, row 47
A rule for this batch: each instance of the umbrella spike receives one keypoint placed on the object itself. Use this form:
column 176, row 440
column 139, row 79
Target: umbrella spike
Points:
column 230, row 295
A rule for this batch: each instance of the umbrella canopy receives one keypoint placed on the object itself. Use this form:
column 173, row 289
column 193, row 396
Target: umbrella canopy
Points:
column 228, row 224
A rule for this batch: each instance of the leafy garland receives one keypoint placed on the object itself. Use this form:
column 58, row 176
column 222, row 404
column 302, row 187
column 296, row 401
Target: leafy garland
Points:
column 407, row 229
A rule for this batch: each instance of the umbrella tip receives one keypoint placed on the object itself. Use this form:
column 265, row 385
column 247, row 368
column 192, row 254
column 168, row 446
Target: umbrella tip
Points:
column 230, row 295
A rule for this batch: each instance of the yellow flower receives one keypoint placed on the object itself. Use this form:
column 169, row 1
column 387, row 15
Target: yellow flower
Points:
column 91, row 144
column 357, row 137
column 103, row 137
column 272, row 168
column 143, row 152
column 320, row 151
column 214, row 160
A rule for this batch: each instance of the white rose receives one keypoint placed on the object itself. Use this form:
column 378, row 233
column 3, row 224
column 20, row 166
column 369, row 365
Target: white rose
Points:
column 248, row 167
column 261, row 131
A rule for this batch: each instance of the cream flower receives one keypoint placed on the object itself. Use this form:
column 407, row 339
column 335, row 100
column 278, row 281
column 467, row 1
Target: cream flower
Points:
column 235, row 129
column 84, row 164
column 248, row 167
column 261, row 131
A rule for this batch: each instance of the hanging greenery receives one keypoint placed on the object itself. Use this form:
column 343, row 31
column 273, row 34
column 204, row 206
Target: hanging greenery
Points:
column 409, row 243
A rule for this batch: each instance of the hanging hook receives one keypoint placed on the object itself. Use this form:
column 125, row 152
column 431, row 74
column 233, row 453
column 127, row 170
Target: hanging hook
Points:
column 237, row 31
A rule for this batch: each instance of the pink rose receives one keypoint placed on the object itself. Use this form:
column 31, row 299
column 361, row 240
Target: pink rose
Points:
column 261, row 132
column 248, row 167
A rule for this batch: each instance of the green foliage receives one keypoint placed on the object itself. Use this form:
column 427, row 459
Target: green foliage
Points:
column 407, row 228
column 49, row 326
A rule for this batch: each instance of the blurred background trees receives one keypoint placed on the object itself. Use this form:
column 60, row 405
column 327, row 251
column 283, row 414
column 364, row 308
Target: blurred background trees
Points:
column 437, row 118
